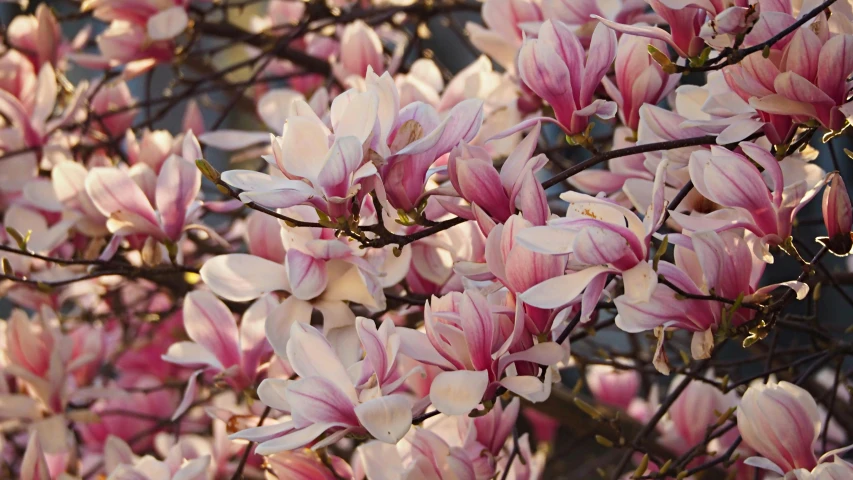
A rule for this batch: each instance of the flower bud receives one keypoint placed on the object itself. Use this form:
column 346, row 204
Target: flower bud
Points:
column 781, row 422
column 612, row 386
column 838, row 216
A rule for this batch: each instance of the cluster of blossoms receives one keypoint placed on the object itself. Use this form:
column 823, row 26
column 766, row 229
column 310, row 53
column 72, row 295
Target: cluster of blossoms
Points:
column 408, row 283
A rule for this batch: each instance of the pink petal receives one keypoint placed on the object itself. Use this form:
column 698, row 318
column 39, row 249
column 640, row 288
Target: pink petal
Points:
column 318, row 400
column 177, row 186
column 210, row 324
column 311, row 355
column 113, row 191
column 189, row 395
column 306, row 274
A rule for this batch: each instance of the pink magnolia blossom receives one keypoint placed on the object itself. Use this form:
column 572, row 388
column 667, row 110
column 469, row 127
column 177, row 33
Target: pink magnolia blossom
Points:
column 498, row 195
column 218, row 344
column 785, row 447
column 706, row 261
column 111, row 104
column 35, row 125
column 806, row 80
column 556, row 68
column 505, row 21
column 685, row 24
column 611, row 385
column 127, row 197
column 603, row 238
column 40, row 37
column 517, row 268
column 731, row 179
column 581, row 14
column 477, row 450
column 697, row 408
column 471, row 341
column 837, row 216
column 325, row 398
column 639, row 79
column 305, row 464
column 361, row 50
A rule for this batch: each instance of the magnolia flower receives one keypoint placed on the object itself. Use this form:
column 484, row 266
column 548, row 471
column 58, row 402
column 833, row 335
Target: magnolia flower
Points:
column 33, row 126
column 110, row 104
column 477, row 450
column 785, row 447
column 837, row 216
column 40, row 38
column 555, row 68
column 472, row 343
column 611, row 385
column 705, row 262
column 361, row 51
column 732, row 180
column 498, row 195
column 218, row 344
column 594, row 231
column 697, row 408
column 517, row 268
column 326, row 399
column 127, row 197
column 684, row 23
column 505, row 20
column 807, row 80
column 639, row 79
column 305, row 464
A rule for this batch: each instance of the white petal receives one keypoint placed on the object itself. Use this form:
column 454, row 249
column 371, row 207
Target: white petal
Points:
column 240, row 277
column 459, row 392
column 386, row 418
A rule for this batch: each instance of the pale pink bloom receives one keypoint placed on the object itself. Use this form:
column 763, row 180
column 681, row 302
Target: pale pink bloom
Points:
column 471, row 339
column 153, row 148
column 218, row 345
column 476, row 447
column 580, row 13
column 110, row 105
column 698, row 271
column 556, row 68
column 128, row 197
column 130, row 44
column 326, row 398
column 517, row 268
column 18, row 77
column 611, row 385
column 503, row 35
column 732, row 180
column 305, row 464
column 40, row 355
column 837, row 216
column 604, row 239
column 639, row 79
column 40, row 37
column 320, row 270
column 34, row 465
column 785, row 446
column 499, row 195
column 361, row 50
column 33, row 125
column 697, row 408
column 725, row 20
column 684, row 23
column 173, row 467
column 806, row 80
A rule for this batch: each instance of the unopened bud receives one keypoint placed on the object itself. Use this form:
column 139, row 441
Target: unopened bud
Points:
column 837, row 216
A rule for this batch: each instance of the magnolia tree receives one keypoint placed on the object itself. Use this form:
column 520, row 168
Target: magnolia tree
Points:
column 344, row 260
